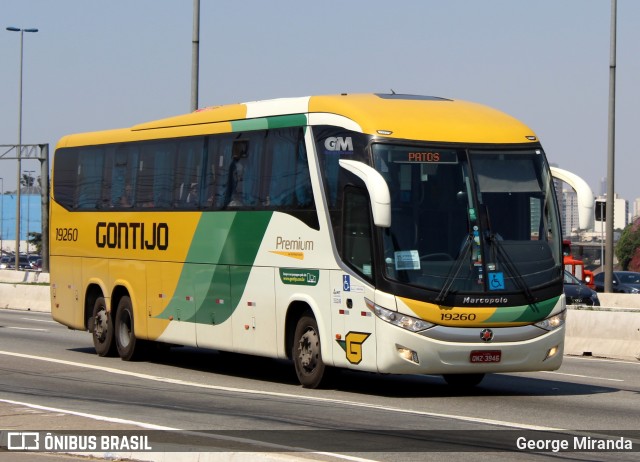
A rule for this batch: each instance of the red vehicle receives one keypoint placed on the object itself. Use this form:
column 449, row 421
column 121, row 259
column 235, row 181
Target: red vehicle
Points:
column 576, row 267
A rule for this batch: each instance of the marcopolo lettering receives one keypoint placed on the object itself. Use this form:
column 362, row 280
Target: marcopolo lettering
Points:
column 488, row 300
column 134, row 236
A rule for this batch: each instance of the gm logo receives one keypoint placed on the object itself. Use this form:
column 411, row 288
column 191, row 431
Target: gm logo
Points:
column 338, row 143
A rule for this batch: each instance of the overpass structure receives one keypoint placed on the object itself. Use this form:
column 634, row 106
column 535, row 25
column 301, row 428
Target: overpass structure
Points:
column 584, row 193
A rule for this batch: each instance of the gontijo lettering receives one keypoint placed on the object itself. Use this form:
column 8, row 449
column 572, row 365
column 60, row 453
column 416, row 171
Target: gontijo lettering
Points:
column 123, row 235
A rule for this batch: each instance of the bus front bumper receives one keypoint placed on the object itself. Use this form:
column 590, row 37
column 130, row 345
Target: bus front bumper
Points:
column 415, row 353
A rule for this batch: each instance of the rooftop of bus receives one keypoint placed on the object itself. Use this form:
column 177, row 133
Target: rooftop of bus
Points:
column 395, row 116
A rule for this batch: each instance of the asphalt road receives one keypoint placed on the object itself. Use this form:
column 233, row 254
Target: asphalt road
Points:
column 222, row 404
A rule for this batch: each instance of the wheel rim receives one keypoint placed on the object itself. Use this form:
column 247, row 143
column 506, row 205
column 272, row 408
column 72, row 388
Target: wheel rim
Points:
column 308, row 350
column 125, row 330
column 100, row 325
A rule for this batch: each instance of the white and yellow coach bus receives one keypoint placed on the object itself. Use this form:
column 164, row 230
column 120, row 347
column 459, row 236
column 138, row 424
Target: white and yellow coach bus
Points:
column 379, row 232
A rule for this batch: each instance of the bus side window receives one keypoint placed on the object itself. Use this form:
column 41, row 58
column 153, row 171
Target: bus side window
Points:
column 220, row 148
column 286, row 171
column 155, row 174
column 120, row 197
column 249, row 174
column 165, row 153
column 356, row 232
column 280, row 172
column 243, row 174
column 90, row 167
column 235, row 176
column 144, row 190
column 187, row 173
column 303, row 191
column 66, row 167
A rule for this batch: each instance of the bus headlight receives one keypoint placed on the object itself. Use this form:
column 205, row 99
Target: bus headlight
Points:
column 398, row 319
column 553, row 322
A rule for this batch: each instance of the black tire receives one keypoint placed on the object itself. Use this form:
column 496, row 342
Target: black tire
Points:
column 127, row 344
column 463, row 380
column 306, row 354
column 102, row 329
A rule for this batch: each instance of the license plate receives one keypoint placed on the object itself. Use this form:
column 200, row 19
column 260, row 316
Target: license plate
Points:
column 485, row 356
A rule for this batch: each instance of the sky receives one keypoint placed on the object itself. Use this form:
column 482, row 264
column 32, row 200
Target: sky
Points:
column 97, row 65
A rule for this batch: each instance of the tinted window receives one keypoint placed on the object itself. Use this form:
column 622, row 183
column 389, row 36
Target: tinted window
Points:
column 357, row 244
column 187, row 173
column 256, row 170
column 89, row 177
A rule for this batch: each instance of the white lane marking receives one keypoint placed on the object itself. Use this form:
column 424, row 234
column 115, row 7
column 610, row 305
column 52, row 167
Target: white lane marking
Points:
column 160, row 427
column 27, row 328
column 604, row 360
column 90, row 416
column 156, row 378
column 582, row 376
column 40, row 320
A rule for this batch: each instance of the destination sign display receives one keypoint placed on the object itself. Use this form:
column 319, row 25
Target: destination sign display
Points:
column 424, row 156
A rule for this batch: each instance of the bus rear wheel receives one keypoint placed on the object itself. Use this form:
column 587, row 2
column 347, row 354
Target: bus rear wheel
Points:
column 463, row 380
column 127, row 344
column 102, row 329
column 306, row 354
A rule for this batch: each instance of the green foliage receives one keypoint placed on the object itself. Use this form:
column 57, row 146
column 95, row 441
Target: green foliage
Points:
column 628, row 247
column 35, row 240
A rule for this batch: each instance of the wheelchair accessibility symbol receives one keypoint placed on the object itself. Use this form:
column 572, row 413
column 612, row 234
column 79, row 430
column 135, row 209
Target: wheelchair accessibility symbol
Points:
column 346, row 283
column 496, row 281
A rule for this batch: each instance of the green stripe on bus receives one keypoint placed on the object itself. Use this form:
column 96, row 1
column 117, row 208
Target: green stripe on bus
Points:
column 223, row 251
column 524, row 313
column 263, row 123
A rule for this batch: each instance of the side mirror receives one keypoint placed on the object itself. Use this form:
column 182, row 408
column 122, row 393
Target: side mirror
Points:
column 377, row 188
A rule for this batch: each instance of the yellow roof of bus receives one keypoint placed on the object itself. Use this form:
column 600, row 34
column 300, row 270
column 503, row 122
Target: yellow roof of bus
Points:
column 388, row 116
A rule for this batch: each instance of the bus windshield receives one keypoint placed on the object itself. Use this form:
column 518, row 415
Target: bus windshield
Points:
column 469, row 221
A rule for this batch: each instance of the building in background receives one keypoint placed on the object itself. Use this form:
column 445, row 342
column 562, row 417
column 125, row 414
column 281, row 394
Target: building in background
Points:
column 620, row 213
column 635, row 210
column 569, row 208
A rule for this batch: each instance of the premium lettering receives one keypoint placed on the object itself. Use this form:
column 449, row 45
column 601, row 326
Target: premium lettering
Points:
column 293, row 244
column 133, row 236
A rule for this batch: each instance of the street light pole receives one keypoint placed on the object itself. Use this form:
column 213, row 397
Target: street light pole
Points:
column 611, row 159
column 19, row 148
column 195, row 55
column 601, row 236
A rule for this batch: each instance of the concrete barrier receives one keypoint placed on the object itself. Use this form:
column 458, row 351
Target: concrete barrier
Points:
column 606, row 332
column 611, row 331
column 619, row 300
column 24, row 290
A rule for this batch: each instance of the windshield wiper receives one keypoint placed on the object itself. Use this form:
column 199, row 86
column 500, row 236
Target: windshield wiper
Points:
column 511, row 267
column 455, row 269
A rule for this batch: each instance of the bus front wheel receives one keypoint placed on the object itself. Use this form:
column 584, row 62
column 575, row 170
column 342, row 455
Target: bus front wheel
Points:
column 124, row 330
column 306, row 354
column 102, row 329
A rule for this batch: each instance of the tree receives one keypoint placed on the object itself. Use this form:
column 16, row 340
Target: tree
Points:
column 628, row 247
column 35, row 240
column 30, row 184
